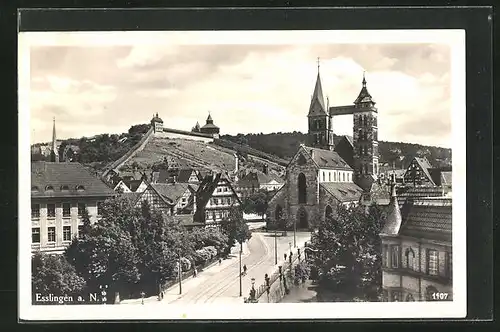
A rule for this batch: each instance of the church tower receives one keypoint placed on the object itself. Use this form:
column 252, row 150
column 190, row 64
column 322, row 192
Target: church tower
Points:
column 365, row 134
column 320, row 134
column 54, row 154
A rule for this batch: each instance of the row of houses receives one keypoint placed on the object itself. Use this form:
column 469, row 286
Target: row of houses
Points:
column 60, row 192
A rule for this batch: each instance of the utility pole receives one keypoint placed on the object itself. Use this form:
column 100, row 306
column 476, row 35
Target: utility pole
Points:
column 294, row 234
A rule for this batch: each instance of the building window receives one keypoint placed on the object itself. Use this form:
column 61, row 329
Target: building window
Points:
column 395, row 256
column 81, row 208
column 51, row 234
column 302, row 187
column 100, row 206
column 66, row 210
column 410, row 258
column 207, row 215
column 335, row 176
column 66, row 233
column 35, row 235
column 385, row 255
column 409, row 298
column 323, row 176
column 80, row 232
column 216, row 201
column 51, row 210
column 343, row 177
column 35, row 210
column 432, row 262
column 329, row 176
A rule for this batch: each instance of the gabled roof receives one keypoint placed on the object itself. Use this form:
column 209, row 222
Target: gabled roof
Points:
column 171, row 191
column 326, row 159
column 343, row 191
column 257, row 178
column 317, row 102
column 133, row 184
column 184, row 175
column 428, row 218
column 50, row 179
column 425, row 166
column 207, row 187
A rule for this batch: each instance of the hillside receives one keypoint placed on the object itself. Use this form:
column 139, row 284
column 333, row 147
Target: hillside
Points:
column 397, row 154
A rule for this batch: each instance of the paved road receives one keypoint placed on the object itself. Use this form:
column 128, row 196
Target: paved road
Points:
column 220, row 283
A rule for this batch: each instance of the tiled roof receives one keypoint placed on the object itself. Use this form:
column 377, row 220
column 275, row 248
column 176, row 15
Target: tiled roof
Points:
column 409, row 191
column 64, row 180
column 209, row 125
column 172, row 191
column 257, row 178
column 343, row 191
column 327, row 159
column 184, row 175
column 430, row 219
column 425, row 166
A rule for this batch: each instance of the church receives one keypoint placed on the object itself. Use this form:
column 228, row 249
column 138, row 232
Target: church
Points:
column 326, row 171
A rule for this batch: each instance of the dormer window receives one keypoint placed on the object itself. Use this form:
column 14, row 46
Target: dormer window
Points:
column 64, row 188
column 49, row 188
column 80, row 188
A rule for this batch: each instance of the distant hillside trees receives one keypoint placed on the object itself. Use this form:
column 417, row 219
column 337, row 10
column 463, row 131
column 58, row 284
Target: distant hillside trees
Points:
column 397, row 154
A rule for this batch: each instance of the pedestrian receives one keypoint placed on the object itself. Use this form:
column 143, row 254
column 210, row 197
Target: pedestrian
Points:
column 195, row 273
column 285, row 256
column 220, row 261
column 244, row 269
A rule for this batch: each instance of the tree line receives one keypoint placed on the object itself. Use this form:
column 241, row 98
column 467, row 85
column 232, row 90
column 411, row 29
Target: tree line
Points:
column 133, row 250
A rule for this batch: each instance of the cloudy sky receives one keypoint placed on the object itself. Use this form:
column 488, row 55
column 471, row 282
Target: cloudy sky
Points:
column 248, row 88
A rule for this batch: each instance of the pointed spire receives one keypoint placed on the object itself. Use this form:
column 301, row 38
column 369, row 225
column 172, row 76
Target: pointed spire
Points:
column 364, row 96
column 209, row 118
column 317, row 100
column 394, row 219
column 54, row 152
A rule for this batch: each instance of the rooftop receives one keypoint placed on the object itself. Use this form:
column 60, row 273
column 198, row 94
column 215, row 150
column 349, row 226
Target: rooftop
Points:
column 326, row 158
column 343, row 191
column 171, row 191
column 50, row 179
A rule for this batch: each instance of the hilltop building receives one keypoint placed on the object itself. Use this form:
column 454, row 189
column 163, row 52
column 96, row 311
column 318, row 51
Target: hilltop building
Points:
column 323, row 174
column 417, row 249
column 209, row 127
column 59, row 194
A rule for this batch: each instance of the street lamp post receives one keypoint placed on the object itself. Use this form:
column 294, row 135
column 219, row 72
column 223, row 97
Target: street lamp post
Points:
column 180, row 275
column 290, row 245
column 275, row 246
column 241, row 249
column 294, row 234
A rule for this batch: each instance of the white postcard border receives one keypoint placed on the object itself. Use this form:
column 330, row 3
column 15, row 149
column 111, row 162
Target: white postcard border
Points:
column 455, row 309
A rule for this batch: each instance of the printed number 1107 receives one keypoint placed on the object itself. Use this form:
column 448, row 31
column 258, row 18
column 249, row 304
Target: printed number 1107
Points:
column 439, row 296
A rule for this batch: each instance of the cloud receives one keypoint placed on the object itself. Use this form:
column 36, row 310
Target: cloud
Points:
column 247, row 88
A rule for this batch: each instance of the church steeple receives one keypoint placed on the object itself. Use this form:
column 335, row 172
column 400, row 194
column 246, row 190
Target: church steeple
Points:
column 54, row 154
column 364, row 97
column 394, row 219
column 317, row 106
column 320, row 134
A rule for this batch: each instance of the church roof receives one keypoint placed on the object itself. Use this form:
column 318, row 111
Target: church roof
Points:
column 343, row 191
column 209, row 125
column 364, row 96
column 317, row 102
column 327, row 159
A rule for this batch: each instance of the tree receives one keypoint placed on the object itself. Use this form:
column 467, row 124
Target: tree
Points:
column 235, row 228
column 204, row 237
column 53, row 274
column 350, row 250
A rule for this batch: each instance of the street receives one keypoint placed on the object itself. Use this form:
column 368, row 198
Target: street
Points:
column 220, row 283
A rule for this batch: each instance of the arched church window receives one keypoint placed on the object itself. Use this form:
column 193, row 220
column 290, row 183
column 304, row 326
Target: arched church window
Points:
column 328, row 212
column 302, row 187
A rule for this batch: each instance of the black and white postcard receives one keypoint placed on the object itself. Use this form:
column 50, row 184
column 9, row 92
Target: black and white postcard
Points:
column 242, row 174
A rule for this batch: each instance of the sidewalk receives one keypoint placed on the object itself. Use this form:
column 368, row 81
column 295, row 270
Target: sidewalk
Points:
column 172, row 293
